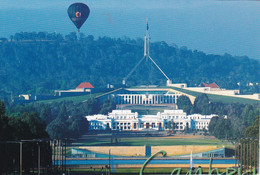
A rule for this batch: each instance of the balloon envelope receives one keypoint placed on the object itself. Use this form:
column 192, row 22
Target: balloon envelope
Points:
column 78, row 13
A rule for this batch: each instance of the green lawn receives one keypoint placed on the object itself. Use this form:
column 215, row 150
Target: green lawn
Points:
column 153, row 141
column 162, row 141
column 75, row 99
column 219, row 98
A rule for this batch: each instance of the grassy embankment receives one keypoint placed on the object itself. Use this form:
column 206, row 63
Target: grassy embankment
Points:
column 75, row 99
column 219, row 98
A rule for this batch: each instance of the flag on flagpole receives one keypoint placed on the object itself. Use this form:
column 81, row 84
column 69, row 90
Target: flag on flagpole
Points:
column 147, row 26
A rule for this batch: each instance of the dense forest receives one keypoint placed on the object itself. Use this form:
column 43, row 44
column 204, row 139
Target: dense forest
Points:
column 42, row 62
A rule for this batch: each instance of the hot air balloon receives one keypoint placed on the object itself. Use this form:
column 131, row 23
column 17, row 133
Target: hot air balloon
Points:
column 78, row 13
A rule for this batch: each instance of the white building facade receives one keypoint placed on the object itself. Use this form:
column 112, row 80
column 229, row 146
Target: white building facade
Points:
column 146, row 98
column 126, row 120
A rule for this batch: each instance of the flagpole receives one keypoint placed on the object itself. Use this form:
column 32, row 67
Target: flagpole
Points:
column 191, row 161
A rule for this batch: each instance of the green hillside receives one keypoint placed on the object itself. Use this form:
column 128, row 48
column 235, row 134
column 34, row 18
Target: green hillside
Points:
column 39, row 63
column 219, row 98
column 74, row 99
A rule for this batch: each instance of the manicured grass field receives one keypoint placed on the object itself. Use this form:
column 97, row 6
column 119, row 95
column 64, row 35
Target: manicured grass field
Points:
column 75, row 99
column 219, row 98
column 109, row 140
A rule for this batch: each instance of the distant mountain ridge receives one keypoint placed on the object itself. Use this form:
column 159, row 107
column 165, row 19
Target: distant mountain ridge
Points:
column 42, row 62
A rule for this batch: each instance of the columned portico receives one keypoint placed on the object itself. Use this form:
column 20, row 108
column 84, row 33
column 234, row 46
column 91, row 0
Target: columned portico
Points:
column 146, row 99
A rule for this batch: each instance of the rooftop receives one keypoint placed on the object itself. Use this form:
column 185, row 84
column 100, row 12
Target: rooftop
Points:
column 212, row 85
column 85, row 85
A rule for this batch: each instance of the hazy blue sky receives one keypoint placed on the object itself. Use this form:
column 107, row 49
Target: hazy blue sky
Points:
column 211, row 26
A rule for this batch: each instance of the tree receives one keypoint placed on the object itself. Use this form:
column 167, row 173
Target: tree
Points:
column 108, row 127
column 72, row 36
column 2, row 109
column 186, row 129
column 248, row 114
column 171, row 125
column 107, row 106
column 220, row 127
column 212, row 124
column 253, row 131
column 74, row 128
column 77, row 126
column 35, row 124
column 201, row 104
column 63, row 113
column 46, row 114
column 184, row 103
column 57, row 129
column 204, row 131
column 92, row 106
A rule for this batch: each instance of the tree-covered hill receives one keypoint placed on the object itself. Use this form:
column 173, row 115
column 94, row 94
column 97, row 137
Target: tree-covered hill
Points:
column 42, row 62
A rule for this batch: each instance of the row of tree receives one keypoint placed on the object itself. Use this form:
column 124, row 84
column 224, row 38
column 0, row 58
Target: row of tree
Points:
column 233, row 118
column 201, row 105
column 64, row 119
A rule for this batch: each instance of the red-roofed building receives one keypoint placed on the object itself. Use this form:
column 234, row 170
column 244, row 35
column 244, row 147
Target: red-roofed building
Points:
column 212, row 85
column 82, row 89
column 85, row 85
